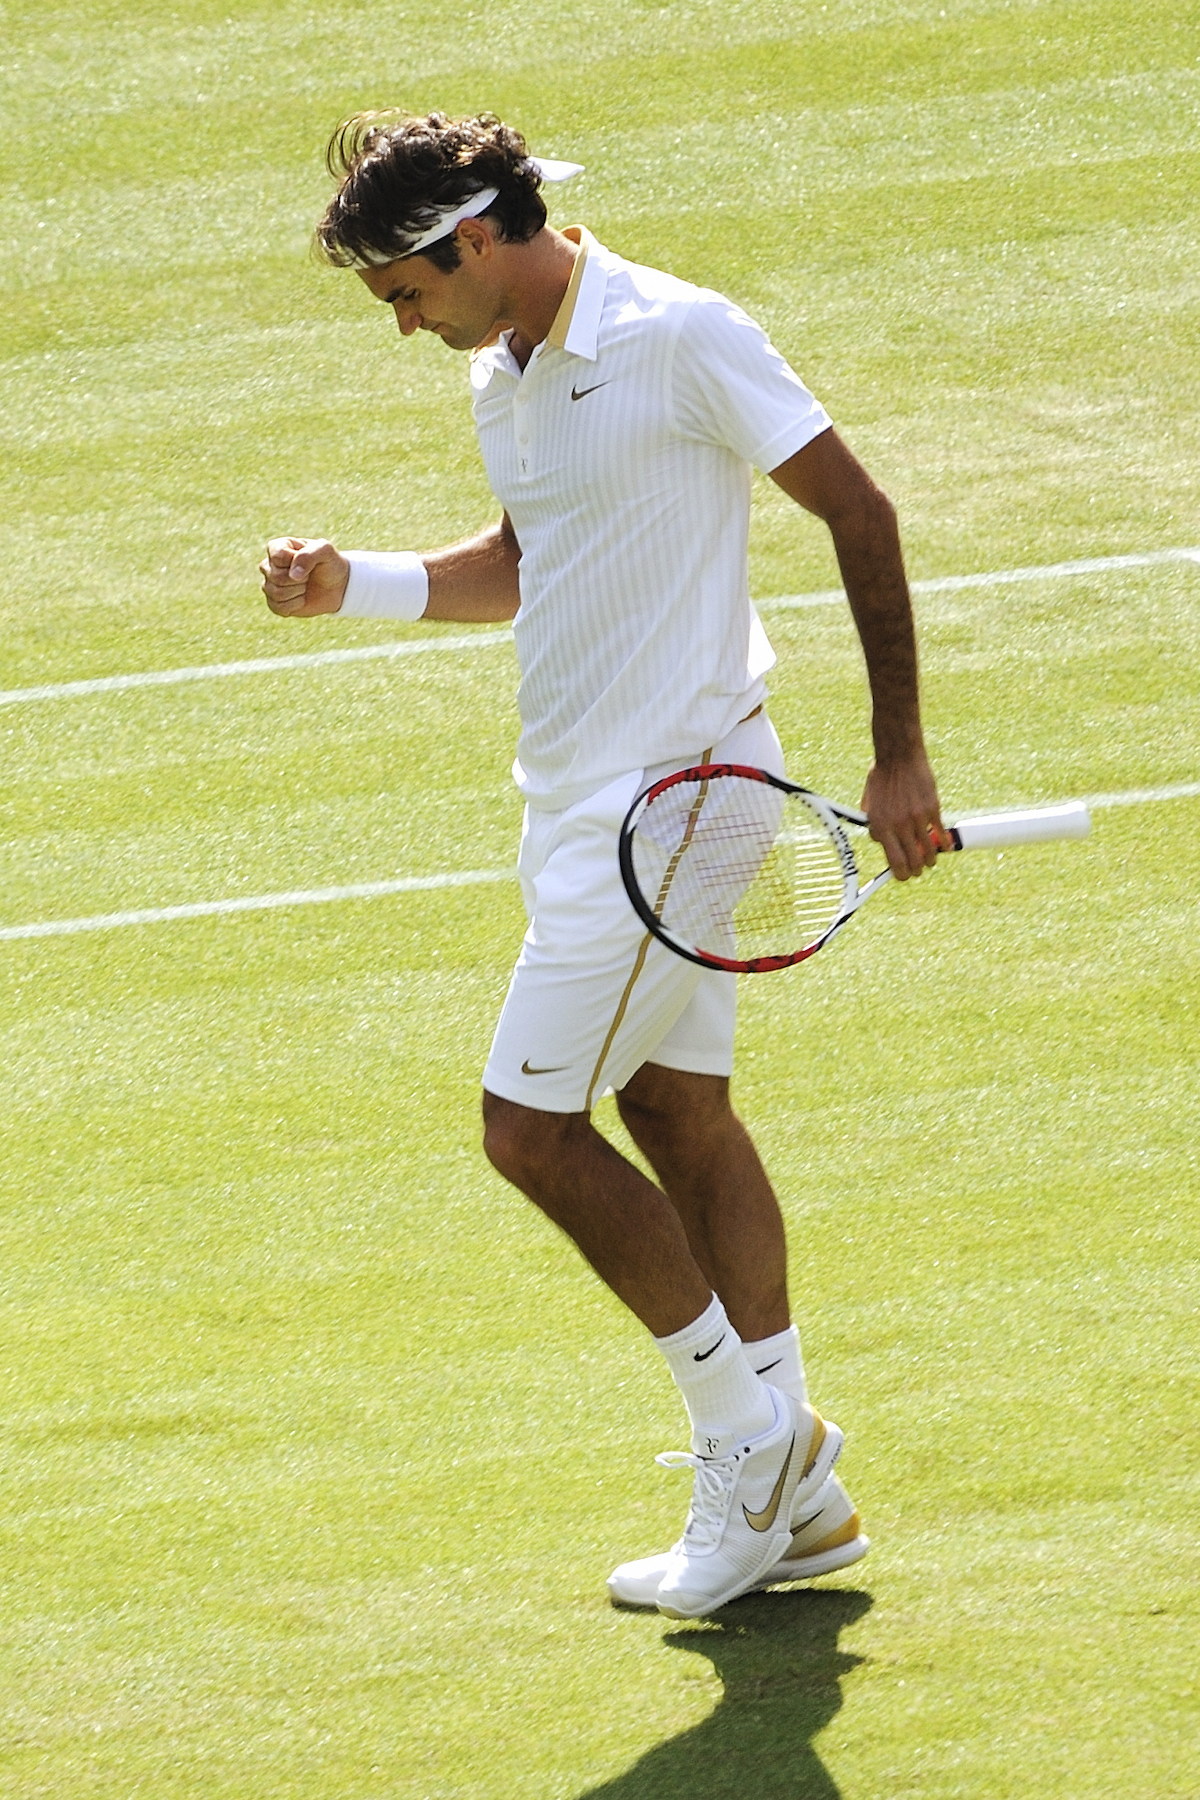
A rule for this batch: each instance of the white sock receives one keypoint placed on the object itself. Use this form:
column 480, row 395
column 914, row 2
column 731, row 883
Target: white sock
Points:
column 777, row 1360
column 723, row 1395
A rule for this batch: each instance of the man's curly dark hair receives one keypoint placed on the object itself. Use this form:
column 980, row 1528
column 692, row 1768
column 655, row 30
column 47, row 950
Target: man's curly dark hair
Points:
column 397, row 174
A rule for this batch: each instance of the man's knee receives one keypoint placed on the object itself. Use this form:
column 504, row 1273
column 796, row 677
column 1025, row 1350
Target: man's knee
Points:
column 503, row 1133
column 672, row 1105
column 521, row 1142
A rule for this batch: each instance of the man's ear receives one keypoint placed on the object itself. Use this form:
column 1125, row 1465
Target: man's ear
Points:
column 475, row 239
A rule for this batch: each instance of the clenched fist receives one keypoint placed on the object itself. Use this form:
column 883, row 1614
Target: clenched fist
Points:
column 303, row 577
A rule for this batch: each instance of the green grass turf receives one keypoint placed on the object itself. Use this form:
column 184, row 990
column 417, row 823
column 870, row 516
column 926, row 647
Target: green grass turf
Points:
column 319, row 1442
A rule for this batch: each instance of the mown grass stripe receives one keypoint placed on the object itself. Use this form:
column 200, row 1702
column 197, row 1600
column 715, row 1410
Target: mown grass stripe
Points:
column 480, row 640
column 407, row 884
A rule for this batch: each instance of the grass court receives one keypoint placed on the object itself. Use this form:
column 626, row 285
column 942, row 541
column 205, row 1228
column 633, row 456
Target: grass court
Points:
column 319, row 1442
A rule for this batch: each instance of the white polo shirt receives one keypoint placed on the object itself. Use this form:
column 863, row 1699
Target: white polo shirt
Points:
column 622, row 456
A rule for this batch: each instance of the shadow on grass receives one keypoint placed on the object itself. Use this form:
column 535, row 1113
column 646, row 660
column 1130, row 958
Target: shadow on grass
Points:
column 778, row 1658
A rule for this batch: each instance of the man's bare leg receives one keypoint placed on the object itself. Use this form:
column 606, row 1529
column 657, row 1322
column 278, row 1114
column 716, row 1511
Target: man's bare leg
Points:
column 718, row 1230
column 710, row 1171
column 628, row 1230
column 687, row 1131
column 635, row 1238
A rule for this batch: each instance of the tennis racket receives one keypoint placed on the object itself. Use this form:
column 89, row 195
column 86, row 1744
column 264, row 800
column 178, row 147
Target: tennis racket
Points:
column 738, row 869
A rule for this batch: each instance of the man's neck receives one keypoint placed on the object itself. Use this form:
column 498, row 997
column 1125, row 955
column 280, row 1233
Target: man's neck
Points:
column 541, row 270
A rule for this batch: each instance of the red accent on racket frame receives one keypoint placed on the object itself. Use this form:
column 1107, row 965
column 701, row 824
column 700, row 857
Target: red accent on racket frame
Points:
column 755, row 965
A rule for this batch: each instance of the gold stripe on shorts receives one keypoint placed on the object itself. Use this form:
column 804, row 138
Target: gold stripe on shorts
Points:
column 638, row 966
column 640, row 959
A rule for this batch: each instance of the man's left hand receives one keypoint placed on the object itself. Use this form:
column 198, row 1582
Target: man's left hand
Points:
column 901, row 801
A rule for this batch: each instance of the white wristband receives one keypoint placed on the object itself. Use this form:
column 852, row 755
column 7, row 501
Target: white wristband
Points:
column 385, row 584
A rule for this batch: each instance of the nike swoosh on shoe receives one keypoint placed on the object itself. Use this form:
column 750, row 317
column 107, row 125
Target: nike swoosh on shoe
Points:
column 763, row 1521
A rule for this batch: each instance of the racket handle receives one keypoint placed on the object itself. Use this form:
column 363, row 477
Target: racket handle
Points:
column 1036, row 826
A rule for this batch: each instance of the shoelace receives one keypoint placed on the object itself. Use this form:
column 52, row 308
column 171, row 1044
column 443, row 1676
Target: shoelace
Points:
column 712, row 1491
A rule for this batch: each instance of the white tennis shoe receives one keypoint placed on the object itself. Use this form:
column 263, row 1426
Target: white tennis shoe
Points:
column 743, row 1496
column 826, row 1535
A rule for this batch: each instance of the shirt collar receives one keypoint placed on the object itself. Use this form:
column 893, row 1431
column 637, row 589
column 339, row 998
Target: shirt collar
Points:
column 577, row 322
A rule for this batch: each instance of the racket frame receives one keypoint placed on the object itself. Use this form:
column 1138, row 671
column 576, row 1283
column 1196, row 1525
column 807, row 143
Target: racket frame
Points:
column 831, row 815
column 1036, row 825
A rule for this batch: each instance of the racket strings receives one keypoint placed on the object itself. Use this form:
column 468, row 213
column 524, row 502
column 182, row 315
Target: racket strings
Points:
column 737, row 869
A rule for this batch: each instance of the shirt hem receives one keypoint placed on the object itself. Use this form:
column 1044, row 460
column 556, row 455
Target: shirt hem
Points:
column 558, row 799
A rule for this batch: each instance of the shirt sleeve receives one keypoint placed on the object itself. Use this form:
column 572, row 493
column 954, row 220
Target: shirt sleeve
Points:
column 732, row 387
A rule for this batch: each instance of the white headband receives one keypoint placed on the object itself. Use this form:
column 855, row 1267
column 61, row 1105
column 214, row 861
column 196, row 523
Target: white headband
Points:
column 547, row 168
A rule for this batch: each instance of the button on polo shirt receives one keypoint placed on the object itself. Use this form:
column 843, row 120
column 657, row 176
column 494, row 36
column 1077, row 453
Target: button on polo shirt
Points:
column 622, row 455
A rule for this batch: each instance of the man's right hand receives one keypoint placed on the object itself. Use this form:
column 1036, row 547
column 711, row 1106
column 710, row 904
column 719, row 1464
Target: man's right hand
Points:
column 303, row 577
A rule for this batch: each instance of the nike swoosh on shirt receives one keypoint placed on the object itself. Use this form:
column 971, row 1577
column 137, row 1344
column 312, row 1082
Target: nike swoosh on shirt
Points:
column 526, row 1070
column 763, row 1521
column 578, row 393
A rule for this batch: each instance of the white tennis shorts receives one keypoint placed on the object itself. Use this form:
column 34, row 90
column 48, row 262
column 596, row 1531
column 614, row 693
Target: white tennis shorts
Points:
column 594, row 995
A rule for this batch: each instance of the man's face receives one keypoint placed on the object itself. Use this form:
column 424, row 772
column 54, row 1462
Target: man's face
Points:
column 461, row 307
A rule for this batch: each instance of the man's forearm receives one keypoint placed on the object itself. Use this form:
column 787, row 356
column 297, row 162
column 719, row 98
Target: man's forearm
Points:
column 476, row 581
column 872, row 566
column 829, row 481
column 900, row 796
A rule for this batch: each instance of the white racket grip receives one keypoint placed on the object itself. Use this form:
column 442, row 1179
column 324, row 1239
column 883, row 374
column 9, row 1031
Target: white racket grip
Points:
column 1034, row 827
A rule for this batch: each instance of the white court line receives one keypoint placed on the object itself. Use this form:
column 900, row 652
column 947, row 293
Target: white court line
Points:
column 370, row 890
column 259, row 665
column 479, row 640
column 1178, row 790
column 954, row 584
column 202, row 909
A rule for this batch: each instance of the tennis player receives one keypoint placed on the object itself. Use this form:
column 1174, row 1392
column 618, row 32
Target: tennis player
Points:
column 619, row 412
